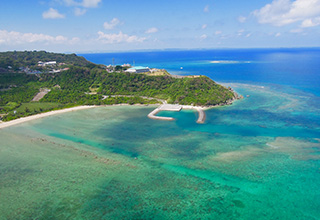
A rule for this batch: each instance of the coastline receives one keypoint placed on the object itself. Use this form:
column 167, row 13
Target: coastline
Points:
column 55, row 112
column 60, row 111
column 42, row 115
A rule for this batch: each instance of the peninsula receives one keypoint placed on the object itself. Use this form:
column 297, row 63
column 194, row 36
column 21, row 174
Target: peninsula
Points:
column 38, row 81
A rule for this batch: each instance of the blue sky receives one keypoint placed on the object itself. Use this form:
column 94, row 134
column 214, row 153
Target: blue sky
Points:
column 123, row 25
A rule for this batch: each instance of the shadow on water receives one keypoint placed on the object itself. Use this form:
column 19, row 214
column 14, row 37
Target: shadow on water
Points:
column 161, row 194
column 110, row 148
column 260, row 123
column 129, row 137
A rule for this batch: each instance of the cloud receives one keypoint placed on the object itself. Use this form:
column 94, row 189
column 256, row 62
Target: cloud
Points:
column 119, row 38
column 81, row 6
column 70, row 2
column 83, row 3
column 112, row 24
column 52, row 14
column 311, row 22
column 277, row 35
column 284, row 12
column 296, row 31
column 203, row 37
column 206, row 8
column 242, row 19
column 79, row 11
column 218, row 32
column 204, row 26
column 240, row 32
column 152, row 30
column 90, row 3
column 16, row 38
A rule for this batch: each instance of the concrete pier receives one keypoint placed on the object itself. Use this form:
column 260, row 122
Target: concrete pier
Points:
column 176, row 108
column 152, row 115
column 202, row 114
column 169, row 107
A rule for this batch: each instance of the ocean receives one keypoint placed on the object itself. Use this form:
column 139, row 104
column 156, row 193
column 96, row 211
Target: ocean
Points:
column 258, row 158
column 297, row 68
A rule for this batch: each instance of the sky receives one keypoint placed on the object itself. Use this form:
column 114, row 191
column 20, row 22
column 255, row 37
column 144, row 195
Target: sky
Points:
column 85, row 26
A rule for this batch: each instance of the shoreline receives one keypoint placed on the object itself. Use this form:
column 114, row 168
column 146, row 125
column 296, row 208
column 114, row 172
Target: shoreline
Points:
column 55, row 112
column 59, row 111
column 42, row 115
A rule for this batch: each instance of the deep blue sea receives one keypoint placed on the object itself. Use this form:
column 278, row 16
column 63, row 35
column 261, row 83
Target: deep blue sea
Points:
column 298, row 68
column 258, row 158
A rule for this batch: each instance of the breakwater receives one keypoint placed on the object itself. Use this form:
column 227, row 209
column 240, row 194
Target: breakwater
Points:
column 168, row 107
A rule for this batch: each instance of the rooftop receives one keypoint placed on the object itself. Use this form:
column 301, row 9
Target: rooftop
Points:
column 139, row 68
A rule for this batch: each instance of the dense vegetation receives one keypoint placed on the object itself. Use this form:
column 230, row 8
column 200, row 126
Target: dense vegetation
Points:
column 17, row 59
column 87, row 83
column 194, row 91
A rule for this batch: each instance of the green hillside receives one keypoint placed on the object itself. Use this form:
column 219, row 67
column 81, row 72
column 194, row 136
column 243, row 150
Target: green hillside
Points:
column 84, row 83
column 17, row 59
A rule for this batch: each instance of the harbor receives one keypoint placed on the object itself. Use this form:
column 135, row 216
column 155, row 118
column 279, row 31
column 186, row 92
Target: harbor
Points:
column 176, row 108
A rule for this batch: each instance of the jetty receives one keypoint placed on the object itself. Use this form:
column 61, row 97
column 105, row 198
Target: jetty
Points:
column 177, row 108
column 167, row 107
column 202, row 114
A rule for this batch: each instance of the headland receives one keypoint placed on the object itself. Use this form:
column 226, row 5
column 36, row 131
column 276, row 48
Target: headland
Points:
column 56, row 81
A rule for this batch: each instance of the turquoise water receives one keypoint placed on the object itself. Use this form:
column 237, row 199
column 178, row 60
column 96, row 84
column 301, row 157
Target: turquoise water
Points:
column 256, row 159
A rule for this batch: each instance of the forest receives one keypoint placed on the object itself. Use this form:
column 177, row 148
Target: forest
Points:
column 85, row 83
column 16, row 59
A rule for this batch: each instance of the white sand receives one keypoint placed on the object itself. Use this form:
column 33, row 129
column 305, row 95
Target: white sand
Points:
column 42, row 115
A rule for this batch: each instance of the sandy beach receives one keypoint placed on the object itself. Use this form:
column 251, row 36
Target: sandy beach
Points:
column 42, row 115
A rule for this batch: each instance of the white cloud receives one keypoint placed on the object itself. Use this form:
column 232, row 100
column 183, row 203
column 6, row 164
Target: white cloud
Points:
column 79, row 11
column 16, row 38
column 284, row 12
column 204, row 26
column 52, row 14
column 218, row 32
column 206, row 8
column 70, row 2
column 296, row 30
column 90, row 3
column 277, row 35
column 311, row 22
column 242, row 19
column 83, row 3
column 74, row 40
column 240, row 32
column 152, row 30
column 203, row 37
column 112, row 24
column 119, row 38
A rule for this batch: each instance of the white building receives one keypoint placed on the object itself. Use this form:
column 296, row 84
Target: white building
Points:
column 40, row 63
column 138, row 69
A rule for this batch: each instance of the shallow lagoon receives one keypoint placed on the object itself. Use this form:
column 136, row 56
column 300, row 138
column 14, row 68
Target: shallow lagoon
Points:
column 256, row 159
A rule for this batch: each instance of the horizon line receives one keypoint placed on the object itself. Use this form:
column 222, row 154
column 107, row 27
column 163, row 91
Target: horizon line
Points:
column 167, row 49
column 189, row 49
